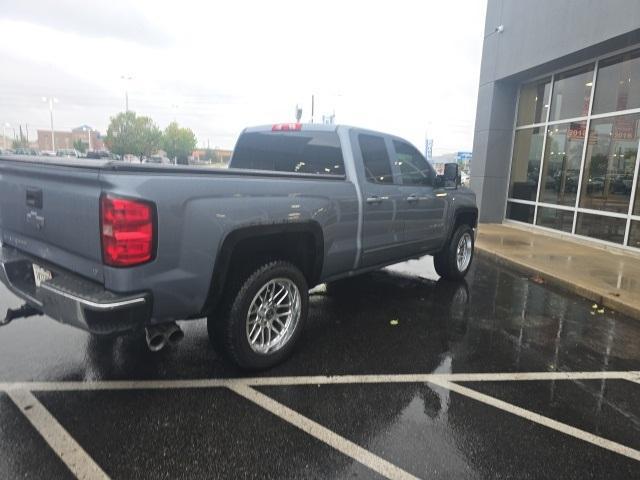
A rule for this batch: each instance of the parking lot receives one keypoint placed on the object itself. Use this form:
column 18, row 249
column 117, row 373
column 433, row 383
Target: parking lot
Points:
column 398, row 375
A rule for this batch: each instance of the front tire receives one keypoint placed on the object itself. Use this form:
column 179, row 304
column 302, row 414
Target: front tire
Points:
column 264, row 317
column 454, row 260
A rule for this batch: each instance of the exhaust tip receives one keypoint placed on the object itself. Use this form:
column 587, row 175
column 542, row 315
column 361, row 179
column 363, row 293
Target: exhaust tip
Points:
column 158, row 336
column 174, row 335
column 155, row 340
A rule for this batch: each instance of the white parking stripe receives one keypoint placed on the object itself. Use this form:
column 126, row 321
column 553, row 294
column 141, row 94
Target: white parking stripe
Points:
column 323, row 434
column 63, row 444
column 318, row 380
column 540, row 419
column 453, row 377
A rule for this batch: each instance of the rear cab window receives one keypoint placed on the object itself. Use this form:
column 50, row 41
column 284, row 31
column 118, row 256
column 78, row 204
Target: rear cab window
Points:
column 311, row 152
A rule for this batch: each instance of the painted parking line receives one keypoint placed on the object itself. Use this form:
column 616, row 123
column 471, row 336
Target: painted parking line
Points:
column 540, row 419
column 81, row 464
column 323, row 434
column 317, row 380
column 63, row 444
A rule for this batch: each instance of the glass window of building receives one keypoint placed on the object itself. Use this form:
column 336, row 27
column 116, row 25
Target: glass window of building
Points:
column 618, row 83
column 561, row 165
column 634, row 235
column 610, row 163
column 525, row 166
column 520, row 212
column 572, row 93
column 555, row 218
column 534, row 102
column 610, row 229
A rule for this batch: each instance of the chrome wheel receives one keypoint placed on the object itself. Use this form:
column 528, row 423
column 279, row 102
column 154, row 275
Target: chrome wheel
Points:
column 273, row 315
column 464, row 251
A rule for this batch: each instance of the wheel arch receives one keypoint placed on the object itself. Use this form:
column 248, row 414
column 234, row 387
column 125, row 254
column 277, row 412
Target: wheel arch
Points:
column 300, row 243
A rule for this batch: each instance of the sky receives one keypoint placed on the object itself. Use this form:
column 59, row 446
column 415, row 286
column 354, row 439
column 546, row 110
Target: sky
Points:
column 402, row 67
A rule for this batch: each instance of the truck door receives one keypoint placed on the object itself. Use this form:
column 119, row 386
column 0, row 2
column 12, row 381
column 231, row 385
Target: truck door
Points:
column 382, row 229
column 421, row 208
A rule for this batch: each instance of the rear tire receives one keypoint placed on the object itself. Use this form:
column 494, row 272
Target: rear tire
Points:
column 454, row 260
column 262, row 318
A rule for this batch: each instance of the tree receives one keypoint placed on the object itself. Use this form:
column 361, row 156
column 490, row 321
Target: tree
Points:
column 20, row 143
column 80, row 146
column 178, row 142
column 130, row 134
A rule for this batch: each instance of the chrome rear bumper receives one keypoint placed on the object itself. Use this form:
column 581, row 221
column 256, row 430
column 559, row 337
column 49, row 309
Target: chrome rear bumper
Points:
column 72, row 299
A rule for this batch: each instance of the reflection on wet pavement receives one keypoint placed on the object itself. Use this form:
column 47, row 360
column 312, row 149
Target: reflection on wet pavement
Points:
column 495, row 321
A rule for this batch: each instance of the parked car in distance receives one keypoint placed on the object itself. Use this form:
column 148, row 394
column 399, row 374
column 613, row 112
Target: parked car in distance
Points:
column 26, row 151
column 47, row 153
column 129, row 158
column 101, row 154
column 157, row 159
column 112, row 247
column 67, row 152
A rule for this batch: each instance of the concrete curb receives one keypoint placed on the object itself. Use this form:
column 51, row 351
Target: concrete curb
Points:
column 601, row 297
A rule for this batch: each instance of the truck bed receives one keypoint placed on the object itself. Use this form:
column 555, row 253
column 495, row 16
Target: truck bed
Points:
column 50, row 209
column 120, row 166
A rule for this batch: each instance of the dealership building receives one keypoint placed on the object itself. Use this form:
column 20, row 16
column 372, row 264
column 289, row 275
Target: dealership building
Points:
column 558, row 118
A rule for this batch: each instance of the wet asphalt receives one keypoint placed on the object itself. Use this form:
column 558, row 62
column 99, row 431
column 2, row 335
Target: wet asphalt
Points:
column 498, row 320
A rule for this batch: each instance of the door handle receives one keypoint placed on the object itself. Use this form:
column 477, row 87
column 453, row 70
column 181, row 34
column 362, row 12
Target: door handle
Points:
column 374, row 199
column 412, row 198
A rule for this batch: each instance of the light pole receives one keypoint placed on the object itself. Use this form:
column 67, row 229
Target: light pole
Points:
column 126, row 91
column 51, row 101
column 4, row 133
column 174, row 107
column 88, row 130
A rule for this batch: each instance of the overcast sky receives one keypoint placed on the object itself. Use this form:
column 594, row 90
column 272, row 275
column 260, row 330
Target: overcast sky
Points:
column 404, row 67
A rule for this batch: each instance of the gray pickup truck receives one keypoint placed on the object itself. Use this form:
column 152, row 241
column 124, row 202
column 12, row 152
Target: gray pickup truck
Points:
column 112, row 247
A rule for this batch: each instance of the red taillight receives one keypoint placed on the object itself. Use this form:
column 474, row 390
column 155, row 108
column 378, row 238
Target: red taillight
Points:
column 127, row 231
column 286, row 127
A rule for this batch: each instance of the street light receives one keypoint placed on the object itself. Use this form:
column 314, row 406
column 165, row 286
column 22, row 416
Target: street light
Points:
column 4, row 133
column 126, row 91
column 88, row 130
column 51, row 101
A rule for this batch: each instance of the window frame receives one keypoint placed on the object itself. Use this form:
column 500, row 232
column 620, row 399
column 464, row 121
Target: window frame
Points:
column 400, row 177
column 576, row 209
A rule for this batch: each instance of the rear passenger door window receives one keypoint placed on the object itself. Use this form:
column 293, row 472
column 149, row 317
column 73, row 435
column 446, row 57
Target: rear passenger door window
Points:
column 375, row 158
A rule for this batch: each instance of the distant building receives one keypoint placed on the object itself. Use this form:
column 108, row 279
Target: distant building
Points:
column 438, row 161
column 464, row 160
column 66, row 139
column 558, row 118
column 212, row 156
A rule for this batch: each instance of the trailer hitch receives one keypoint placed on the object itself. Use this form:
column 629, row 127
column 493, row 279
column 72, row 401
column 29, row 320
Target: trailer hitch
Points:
column 24, row 311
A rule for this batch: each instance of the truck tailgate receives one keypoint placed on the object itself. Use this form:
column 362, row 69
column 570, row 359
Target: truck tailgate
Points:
column 52, row 212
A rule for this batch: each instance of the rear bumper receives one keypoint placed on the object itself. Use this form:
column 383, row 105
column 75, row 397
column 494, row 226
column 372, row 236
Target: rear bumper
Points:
column 71, row 299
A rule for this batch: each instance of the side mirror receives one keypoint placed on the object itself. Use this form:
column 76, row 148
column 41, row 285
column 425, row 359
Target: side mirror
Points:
column 451, row 175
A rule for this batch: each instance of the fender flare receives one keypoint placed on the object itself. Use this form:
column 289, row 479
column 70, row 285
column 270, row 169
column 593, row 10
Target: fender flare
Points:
column 233, row 238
